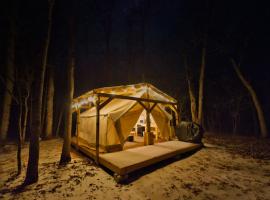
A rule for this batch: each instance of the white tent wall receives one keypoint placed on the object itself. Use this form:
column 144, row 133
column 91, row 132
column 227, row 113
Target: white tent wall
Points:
column 116, row 121
column 163, row 122
column 108, row 135
column 116, row 132
column 88, row 129
column 112, row 137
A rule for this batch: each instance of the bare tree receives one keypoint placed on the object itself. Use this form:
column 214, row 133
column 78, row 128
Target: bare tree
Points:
column 200, row 39
column 201, row 84
column 193, row 104
column 44, row 107
column 32, row 167
column 23, row 86
column 196, row 112
column 19, row 138
column 256, row 102
column 49, row 104
column 9, row 82
column 26, row 109
column 24, row 90
column 65, row 156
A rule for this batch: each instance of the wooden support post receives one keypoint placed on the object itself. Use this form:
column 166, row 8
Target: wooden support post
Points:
column 148, row 121
column 148, row 127
column 156, row 135
column 78, row 128
column 171, row 125
column 97, row 131
column 148, row 136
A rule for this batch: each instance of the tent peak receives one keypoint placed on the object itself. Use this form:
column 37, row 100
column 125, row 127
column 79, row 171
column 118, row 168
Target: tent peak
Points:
column 134, row 92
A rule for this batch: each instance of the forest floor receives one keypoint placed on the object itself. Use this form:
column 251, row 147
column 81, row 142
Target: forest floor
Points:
column 226, row 168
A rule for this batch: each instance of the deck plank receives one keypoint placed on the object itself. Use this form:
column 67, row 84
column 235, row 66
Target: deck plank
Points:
column 126, row 161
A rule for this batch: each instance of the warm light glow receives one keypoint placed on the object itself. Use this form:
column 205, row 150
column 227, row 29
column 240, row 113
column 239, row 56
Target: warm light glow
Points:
column 144, row 89
column 112, row 92
column 91, row 99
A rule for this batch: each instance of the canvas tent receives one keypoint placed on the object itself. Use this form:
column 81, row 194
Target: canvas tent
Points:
column 106, row 116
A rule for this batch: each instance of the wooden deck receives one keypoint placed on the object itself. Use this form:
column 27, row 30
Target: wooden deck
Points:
column 131, row 159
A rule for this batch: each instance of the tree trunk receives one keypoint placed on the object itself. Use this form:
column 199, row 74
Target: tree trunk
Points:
column 19, row 159
column 22, row 84
column 65, row 156
column 256, row 102
column 193, row 105
column 32, row 167
column 44, row 107
column 201, row 84
column 31, row 113
column 19, row 144
column 25, row 118
column 49, row 107
column 7, row 99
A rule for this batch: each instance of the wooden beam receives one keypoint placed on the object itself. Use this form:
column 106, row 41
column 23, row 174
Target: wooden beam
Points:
column 153, row 106
column 142, row 104
column 105, row 103
column 86, row 107
column 97, row 131
column 81, row 107
column 135, row 98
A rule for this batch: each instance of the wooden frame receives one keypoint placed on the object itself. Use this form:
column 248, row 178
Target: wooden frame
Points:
column 116, row 96
column 141, row 101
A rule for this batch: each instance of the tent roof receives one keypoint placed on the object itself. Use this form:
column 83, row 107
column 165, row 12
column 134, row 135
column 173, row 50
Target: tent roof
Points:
column 136, row 91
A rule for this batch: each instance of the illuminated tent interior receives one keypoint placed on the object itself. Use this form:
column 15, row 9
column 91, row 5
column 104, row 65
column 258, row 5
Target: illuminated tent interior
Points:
column 121, row 110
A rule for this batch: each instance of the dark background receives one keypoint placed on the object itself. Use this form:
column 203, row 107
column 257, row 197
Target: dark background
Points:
column 130, row 41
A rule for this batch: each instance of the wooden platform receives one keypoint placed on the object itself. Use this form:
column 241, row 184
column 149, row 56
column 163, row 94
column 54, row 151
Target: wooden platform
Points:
column 129, row 160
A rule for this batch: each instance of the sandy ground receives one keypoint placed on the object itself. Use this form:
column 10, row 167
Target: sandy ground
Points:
column 217, row 171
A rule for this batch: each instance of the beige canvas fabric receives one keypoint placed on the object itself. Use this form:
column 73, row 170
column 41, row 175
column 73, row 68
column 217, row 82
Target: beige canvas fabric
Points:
column 119, row 116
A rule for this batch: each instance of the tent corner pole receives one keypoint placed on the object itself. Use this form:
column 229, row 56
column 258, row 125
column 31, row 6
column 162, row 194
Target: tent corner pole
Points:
column 148, row 125
column 97, row 130
column 148, row 120
column 78, row 128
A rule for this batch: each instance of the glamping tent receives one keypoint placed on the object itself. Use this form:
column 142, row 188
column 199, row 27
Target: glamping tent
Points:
column 106, row 116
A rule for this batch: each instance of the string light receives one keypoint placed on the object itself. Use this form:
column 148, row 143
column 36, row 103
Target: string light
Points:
column 89, row 100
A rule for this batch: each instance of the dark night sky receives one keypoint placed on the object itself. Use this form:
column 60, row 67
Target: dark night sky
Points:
column 170, row 28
